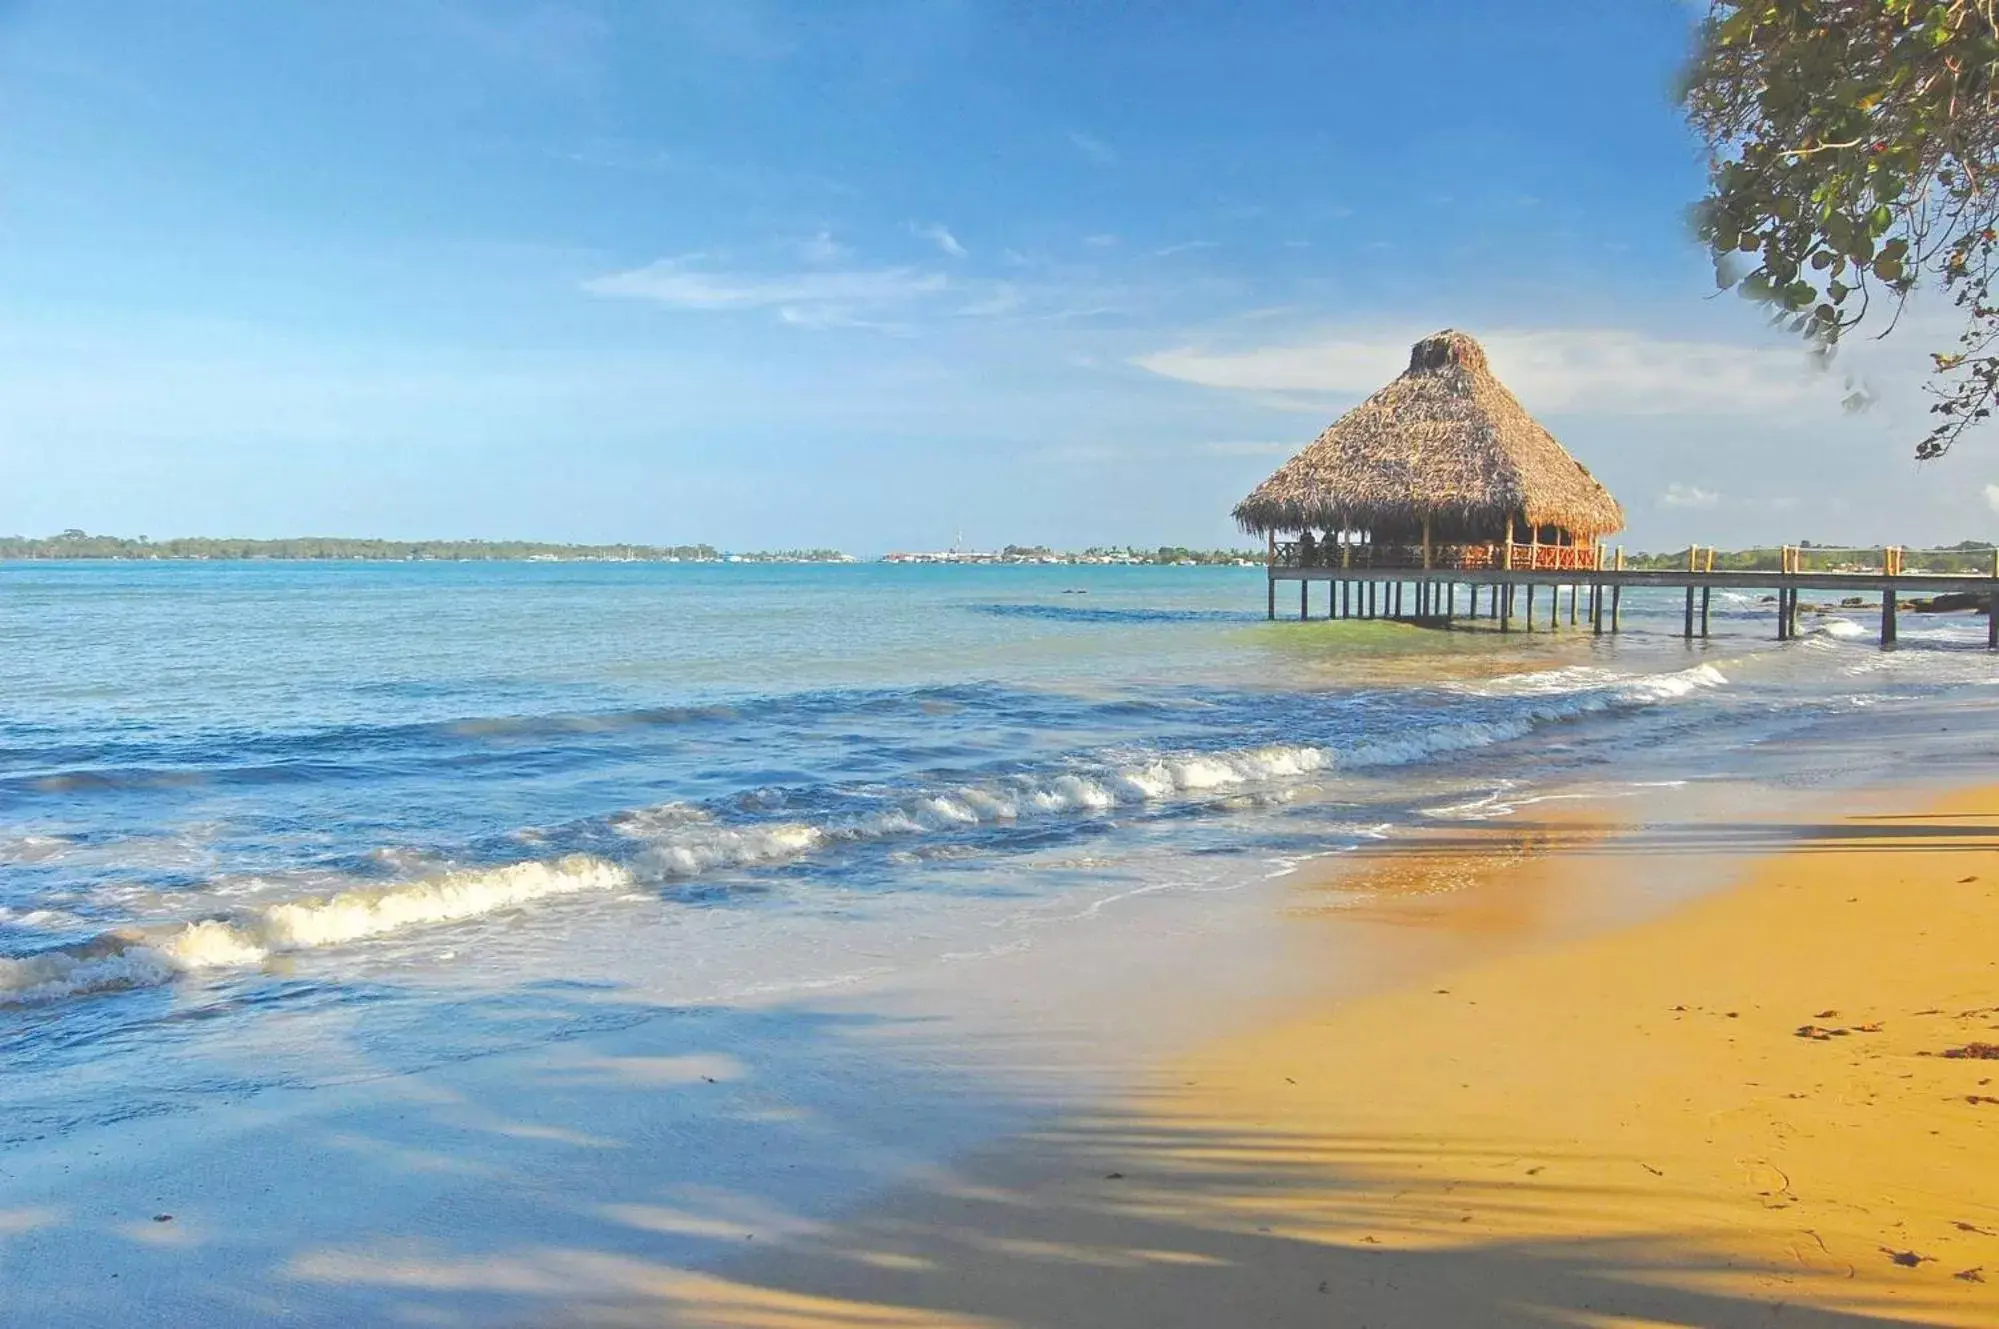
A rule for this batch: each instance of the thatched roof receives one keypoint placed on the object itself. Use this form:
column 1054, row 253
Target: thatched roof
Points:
column 1446, row 441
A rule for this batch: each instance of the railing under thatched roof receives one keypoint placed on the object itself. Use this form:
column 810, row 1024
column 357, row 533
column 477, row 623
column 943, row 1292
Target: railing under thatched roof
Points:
column 1444, row 444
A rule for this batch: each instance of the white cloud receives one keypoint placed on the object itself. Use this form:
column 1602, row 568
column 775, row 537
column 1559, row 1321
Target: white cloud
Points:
column 1095, row 149
column 1992, row 497
column 822, row 248
column 816, row 298
column 1604, row 371
column 1678, row 495
column 1005, row 298
column 1183, row 247
column 941, row 236
column 1104, row 241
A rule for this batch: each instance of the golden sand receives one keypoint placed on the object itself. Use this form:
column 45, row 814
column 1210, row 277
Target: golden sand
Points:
column 1742, row 1113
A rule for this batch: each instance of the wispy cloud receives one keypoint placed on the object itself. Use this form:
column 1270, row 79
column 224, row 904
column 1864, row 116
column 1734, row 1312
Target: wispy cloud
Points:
column 1992, row 497
column 822, row 248
column 1098, row 151
column 1604, row 371
column 816, row 298
column 1679, row 495
column 940, row 235
column 1183, row 247
column 1103, row 240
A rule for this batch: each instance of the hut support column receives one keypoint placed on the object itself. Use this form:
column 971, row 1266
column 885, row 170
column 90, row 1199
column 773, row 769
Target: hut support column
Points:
column 1450, row 602
column 1992, row 621
column 1687, row 630
column 1530, row 606
column 1887, row 617
column 1474, row 599
column 1596, row 608
column 1273, row 597
column 1616, row 603
column 1304, row 604
column 1707, row 593
column 1574, row 590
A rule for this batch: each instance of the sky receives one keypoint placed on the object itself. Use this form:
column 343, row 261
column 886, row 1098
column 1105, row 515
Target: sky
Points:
column 880, row 274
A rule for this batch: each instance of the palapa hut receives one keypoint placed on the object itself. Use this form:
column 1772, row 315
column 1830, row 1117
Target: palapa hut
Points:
column 1441, row 468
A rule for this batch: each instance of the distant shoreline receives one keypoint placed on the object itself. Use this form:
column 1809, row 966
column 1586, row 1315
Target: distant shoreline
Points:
column 78, row 546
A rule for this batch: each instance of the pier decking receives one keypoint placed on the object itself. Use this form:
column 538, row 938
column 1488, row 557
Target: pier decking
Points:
column 1433, row 595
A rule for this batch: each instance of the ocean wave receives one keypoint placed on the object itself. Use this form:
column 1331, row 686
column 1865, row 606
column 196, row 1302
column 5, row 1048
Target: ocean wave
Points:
column 676, row 841
column 128, row 958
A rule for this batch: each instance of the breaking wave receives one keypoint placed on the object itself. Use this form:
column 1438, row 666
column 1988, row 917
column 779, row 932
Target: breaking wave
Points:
column 676, row 841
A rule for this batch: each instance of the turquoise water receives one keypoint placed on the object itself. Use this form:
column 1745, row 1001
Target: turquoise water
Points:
column 243, row 805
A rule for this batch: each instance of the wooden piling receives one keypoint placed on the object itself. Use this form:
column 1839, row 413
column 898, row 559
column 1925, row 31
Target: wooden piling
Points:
column 1687, row 629
column 1707, row 593
column 1887, row 617
column 1992, row 617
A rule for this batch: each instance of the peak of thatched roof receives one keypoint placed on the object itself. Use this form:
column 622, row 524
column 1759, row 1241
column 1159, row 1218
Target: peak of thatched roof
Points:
column 1444, row 440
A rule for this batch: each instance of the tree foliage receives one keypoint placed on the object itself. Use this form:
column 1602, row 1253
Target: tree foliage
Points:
column 1854, row 154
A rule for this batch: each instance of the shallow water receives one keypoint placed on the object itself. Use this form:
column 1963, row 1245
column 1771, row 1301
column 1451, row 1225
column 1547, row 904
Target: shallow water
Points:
column 299, row 823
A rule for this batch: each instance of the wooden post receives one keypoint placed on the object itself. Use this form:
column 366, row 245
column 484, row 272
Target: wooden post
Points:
column 1450, row 602
column 1596, row 606
column 1784, row 607
column 1304, row 588
column 1573, row 590
column 1887, row 617
column 1992, row 619
column 1502, row 608
column 1706, row 592
column 1473, row 588
column 1273, row 594
column 1506, row 550
column 1530, row 604
column 1616, row 601
column 1426, row 541
column 1688, row 629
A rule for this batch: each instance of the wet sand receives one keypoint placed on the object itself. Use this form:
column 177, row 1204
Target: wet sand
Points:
column 1765, row 1106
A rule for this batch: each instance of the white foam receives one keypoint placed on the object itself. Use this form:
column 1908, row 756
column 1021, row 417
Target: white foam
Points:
column 678, row 840
column 145, row 959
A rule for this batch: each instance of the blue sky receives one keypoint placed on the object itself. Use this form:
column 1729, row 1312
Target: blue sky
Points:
column 871, row 273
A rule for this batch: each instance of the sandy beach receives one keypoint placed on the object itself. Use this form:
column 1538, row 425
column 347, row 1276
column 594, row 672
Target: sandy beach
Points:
column 1770, row 1105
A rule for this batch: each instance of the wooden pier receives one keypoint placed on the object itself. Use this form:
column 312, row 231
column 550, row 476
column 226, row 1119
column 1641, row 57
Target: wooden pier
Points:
column 1530, row 599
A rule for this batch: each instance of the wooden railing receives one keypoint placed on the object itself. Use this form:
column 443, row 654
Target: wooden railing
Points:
column 1465, row 557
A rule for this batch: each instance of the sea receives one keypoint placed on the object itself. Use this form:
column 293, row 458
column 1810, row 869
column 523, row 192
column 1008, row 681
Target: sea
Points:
column 286, row 828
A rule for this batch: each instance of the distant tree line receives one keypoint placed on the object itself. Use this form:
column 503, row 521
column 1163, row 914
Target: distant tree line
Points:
column 1965, row 556
column 78, row 544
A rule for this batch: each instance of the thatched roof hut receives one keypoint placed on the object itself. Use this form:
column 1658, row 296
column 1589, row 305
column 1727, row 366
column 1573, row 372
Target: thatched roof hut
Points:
column 1446, row 447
